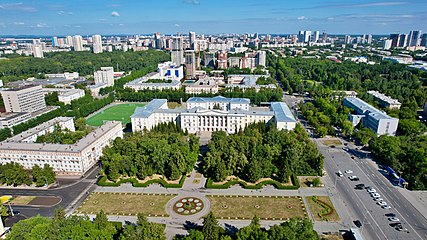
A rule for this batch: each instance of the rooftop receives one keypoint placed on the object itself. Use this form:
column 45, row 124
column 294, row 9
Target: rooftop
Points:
column 384, row 98
column 366, row 108
column 219, row 99
column 71, row 148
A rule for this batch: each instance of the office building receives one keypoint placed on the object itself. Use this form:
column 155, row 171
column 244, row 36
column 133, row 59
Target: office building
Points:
column 97, row 44
column 385, row 101
column 24, row 99
column 105, row 75
column 369, row 39
column 37, row 51
column 387, row 44
column 244, row 82
column 414, row 38
column 77, row 43
column 65, row 159
column 325, row 37
column 372, row 118
column 424, row 40
column 212, row 114
column 304, row 36
column 177, row 54
column 395, row 40
column 316, row 36
column 158, row 41
column 403, row 40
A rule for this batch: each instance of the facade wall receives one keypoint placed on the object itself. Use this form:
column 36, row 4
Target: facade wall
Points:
column 66, row 161
column 29, row 99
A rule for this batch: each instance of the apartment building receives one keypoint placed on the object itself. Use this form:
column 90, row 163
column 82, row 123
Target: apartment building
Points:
column 65, row 159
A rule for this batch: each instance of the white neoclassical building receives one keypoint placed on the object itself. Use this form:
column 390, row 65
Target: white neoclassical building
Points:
column 212, row 114
column 73, row 159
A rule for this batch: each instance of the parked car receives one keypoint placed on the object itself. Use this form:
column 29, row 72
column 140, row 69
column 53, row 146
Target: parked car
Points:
column 353, row 178
column 348, row 172
column 358, row 223
column 390, row 215
column 378, row 199
column 360, row 186
column 386, row 207
column 339, row 173
column 372, row 190
column 382, row 203
column 393, row 219
column 375, row 195
column 368, row 187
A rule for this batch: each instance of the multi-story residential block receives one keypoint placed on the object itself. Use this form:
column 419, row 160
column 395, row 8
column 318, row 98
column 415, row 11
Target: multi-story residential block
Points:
column 212, row 114
column 29, row 98
column 72, row 159
column 77, row 43
column 97, row 44
column 190, row 64
column 372, row 118
column 177, row 54
column 105, row 75
column 385, row 101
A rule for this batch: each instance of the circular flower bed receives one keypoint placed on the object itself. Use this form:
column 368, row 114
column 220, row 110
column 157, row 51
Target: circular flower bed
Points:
column 188, row 206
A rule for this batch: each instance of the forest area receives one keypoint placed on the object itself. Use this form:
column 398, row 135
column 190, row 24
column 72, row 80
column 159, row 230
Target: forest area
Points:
column 406, row 151
column 21, row 67
column 262, row 151
column 165, row 150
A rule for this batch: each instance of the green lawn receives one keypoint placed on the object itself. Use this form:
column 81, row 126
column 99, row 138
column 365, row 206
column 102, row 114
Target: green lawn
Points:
column 121, row 112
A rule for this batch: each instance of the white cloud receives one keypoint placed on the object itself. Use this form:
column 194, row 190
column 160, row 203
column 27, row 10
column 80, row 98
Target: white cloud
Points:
column 18, row 7
column 41, row 25
column 301, row 18
column 77, row 26
column 2, row 25
column 115, row 14
column 176, row 25
column 18, row 23
column 192, row 2
column 63, row 12
column 379, row 4
column 114, row 5
column 121, row 24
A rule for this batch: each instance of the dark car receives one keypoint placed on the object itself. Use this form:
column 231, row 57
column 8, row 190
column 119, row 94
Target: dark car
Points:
column 390, row 215
column 360, row 186
column 332, row 146
column 358, row 223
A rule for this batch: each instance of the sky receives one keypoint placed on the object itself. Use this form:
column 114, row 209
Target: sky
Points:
column 108, row 17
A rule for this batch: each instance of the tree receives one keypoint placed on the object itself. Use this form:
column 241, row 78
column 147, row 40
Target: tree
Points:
column 252, row 232
column 211, row 229
column 3, row 211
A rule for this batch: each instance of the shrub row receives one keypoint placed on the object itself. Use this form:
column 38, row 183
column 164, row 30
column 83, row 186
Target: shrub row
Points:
column 103, row 182
column 276, row 184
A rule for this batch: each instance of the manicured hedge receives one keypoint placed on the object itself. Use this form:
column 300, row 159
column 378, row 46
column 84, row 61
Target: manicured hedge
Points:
column 276, row 184
column 103, row 182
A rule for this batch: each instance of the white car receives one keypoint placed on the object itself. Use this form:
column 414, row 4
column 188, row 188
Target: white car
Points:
column 375, row 195
column 348, row 172
column 382, row 203
column 394, row 219
column 339, row 173
column 372, row 190
column 386, row 207
column 378, row 199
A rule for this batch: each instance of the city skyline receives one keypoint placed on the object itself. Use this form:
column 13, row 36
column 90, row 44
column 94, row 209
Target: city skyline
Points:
column 210, row 17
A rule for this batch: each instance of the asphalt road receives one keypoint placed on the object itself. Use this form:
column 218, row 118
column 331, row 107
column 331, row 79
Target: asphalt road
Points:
column 71, row 195
column 362, row 207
